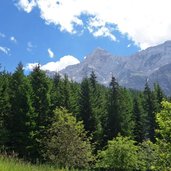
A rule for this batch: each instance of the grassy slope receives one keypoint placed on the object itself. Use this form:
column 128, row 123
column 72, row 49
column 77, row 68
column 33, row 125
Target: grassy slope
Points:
column 14, row 165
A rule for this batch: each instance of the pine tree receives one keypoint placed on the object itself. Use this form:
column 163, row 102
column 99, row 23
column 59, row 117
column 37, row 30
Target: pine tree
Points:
column 125, row 111
column 97, row 104
column 113, row 118
column 140, row 119
column 159, row 95
column 4, row 105
column 41, row 104
column 56, row 92
column 85, row 108
column 19, row 121
column 150, row 107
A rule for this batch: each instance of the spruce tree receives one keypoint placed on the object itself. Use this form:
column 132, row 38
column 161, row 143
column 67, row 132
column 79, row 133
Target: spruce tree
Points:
column 113, row 118
column 85, row 108
column 19, row 121
column 4, row 105
column 140, row 119
column 150, row 106
column 41, row 104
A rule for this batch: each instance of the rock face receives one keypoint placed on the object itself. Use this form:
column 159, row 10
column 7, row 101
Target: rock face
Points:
column 152, row 64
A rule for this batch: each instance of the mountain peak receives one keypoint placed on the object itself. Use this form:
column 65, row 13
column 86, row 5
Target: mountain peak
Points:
column 99, row 50
column 153, row 63
column 168, row 42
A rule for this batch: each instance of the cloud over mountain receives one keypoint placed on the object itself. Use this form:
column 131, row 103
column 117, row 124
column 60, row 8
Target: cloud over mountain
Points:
column 55, row 66
column 145, row 22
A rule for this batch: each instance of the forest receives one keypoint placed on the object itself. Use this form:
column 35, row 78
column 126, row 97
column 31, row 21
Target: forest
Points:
column 53, row 120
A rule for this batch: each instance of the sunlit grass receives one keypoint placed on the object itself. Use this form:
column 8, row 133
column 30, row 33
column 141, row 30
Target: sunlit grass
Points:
column 10, row 164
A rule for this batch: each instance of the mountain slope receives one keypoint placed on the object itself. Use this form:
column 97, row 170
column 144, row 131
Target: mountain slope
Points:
column 152, row 64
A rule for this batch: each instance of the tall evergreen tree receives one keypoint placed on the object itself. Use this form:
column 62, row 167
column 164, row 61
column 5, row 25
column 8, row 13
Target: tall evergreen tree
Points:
column 150, row 107
column 19, row 121
column 98, row 108
column 41, row 104
column 55, row 93
column 140, row 119
column 113, row 124
column 85, row 108
column 159, row 95
column 126, row 112
column 4, row 105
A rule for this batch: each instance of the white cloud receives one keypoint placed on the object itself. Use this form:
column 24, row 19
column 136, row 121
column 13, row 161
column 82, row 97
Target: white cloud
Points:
column 50, row 53
column 31, row 66
column 55, row 66
column 26, row 5
column 2, row 35
column 61, row 64
column 13, row 39
column 145, row 22
column 99, row 29
column 5, row 50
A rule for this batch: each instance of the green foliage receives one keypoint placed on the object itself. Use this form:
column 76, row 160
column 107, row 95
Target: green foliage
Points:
column 29, row 126
column 42, row 112
column 19, row 121
column 148, row 154
column 85, row 107
column 67, row 144
column 150, row 106
column 163, row 119
column 119, row 117
column 120, row 153
column 13, row 164
column 4, row 106
column 140, row 119
column 164, row 136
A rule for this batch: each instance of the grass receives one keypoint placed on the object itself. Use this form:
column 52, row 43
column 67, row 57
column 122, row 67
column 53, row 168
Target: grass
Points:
column 9, row 164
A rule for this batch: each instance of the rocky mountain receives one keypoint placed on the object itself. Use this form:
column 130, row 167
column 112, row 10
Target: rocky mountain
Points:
column 152, row 64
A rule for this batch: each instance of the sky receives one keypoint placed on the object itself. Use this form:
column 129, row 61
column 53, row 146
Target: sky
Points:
column 58, row 33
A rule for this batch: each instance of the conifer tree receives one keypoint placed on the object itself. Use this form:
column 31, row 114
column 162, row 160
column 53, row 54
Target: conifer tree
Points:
column 113, row 124
column 85, row 108
column 55, row 92
column 4, row 105
column 150, row 107
column 159, row 95
column 98, row 108
column 41, row 104
column 140, row 119
column 125, row 111
column 19, row 121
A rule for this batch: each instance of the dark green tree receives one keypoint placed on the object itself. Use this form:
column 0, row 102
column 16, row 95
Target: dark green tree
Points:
column 19, row 121
column 126, row 112
column 4, row 105
column 97, row 98
column 85, row 108
column 140, row 119
column 113, row 118
column 150, row 106
column 41, row 103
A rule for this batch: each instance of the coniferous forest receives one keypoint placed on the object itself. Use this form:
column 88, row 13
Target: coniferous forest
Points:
column 86, row 126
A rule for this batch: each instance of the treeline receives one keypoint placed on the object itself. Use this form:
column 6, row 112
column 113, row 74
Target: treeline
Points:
column 57, row 121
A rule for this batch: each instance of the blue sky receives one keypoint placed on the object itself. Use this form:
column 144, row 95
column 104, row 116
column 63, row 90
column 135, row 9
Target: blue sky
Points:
column 54, row 33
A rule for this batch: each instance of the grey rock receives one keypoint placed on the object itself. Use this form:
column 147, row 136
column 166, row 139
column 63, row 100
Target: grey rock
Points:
column 152, row 64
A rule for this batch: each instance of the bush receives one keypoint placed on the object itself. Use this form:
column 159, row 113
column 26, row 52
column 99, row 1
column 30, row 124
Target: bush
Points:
column 120, row 154
column 67, row 144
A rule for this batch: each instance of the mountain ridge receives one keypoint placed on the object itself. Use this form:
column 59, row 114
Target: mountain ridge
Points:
column 152, row 64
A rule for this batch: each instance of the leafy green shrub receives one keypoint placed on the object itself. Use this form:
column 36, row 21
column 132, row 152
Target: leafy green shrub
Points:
column 67, row 144
column 120, row 153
